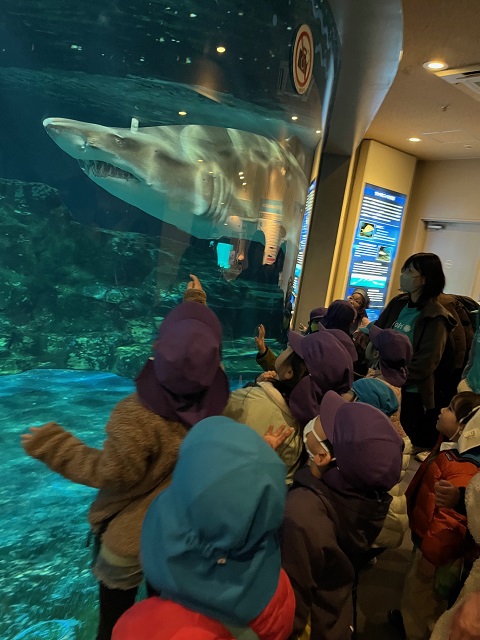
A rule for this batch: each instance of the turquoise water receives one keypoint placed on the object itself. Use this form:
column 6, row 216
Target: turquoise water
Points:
column 46, row 585
column 47, row 589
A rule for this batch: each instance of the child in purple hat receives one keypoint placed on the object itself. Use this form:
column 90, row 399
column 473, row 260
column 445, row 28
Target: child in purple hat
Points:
column 335, row 511
column 182, row 384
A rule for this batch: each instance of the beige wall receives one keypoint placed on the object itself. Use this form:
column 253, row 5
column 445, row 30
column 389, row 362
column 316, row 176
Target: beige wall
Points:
column 382, row 166
column 442, row 190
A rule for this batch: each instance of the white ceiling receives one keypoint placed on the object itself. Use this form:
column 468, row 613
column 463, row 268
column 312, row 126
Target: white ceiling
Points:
column 420, row 104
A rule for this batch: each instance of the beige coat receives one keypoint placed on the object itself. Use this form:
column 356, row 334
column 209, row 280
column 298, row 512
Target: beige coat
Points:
column 261, row 406
column 134, row 465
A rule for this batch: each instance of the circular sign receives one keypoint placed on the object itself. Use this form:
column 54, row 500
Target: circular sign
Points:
column 302, row 59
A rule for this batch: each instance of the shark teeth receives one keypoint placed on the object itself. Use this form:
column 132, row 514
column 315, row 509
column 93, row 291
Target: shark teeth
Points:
column 101, row 169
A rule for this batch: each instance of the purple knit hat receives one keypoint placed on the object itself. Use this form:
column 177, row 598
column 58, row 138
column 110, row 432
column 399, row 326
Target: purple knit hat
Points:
column 340, row 315
column 395, row 351
column 342, row 337
column 329, row 366
column 184, row 381
column 367, row 448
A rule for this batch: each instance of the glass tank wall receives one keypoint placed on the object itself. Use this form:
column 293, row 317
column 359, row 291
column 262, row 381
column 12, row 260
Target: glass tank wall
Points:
column 141, row 142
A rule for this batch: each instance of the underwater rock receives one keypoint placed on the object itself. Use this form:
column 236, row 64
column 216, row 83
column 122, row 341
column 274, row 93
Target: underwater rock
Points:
column 71, row 294
column 74, row 296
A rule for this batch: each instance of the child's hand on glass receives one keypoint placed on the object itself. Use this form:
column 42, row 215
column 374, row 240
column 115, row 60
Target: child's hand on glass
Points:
column 278, row 437
column 447, row 495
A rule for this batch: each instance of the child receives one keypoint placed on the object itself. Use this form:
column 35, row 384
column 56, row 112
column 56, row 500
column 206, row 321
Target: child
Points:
column 335, row 511
column 182, row 384
column 390, row 353
column 438, row 534
column 210, row 546
column 374, row 392
column 291, row 395
column 472, row 583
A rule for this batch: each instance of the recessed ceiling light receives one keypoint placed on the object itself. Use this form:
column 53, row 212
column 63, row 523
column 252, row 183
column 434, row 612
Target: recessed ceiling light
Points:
column 244, row 184
column 182, row 113
column 318, row 131
column 435, row 65
column 294, row 117
column 199, row 160
column 414, row 140
column 221, row 49
column 240, row 173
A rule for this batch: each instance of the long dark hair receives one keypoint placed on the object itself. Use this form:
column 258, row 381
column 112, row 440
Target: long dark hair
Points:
column 299, row 369
column 430, row 267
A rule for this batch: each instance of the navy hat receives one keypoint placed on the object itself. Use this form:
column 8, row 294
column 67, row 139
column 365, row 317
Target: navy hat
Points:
column 209, row 541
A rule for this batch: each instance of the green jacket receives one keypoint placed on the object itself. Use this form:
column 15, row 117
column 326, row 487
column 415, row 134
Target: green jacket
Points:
column 429, row 339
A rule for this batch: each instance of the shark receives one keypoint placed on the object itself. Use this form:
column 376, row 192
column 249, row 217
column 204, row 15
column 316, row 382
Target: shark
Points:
column 207, row 181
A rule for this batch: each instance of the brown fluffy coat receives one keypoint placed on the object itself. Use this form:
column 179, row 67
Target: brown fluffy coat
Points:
column 133, row 467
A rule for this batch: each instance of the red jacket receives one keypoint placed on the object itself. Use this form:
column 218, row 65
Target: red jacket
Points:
column 158, row 619
column 441, row 533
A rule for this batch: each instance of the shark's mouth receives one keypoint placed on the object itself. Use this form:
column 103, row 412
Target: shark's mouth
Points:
column 101, row 169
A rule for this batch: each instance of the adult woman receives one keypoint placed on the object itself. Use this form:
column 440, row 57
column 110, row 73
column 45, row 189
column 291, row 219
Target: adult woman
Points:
column 426, row 323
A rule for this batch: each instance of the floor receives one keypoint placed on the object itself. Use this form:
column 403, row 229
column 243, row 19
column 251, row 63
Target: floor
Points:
column 380, row 587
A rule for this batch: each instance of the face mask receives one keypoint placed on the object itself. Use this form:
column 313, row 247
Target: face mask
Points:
column 309, row 428
column 407, row 283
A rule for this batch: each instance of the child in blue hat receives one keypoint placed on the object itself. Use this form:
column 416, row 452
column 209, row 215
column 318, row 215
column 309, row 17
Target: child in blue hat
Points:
column 209, row 543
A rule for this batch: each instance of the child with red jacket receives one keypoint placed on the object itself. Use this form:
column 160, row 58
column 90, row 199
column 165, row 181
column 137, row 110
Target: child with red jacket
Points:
column 210, row 546
column 439, row 534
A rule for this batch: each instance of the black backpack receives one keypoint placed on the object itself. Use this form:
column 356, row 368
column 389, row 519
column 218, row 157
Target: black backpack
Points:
column 468, row 317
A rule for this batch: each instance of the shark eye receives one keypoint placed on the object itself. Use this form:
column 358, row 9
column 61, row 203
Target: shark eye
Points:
column 118, row 140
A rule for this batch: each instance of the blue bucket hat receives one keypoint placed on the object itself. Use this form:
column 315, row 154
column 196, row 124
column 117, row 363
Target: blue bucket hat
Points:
column 377, row 394
column 209, row 541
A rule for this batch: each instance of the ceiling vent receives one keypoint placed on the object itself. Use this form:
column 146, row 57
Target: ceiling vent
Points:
column 466, row 79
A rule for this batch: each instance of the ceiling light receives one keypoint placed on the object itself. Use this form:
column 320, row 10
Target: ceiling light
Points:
column 414, row 140
column 318, row 131
column 182, row 113
column 294, row 117
column 244, row 184
column 193, row 15
column 435, row 65
column 240, row 173
column 199, row 160
column 221, row 49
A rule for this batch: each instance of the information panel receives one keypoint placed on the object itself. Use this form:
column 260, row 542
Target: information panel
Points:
column 303, row 242
column 375, row 244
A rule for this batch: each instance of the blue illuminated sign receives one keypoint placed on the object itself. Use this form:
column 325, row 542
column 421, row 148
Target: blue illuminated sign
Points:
column 375, row 244
column 303, row 241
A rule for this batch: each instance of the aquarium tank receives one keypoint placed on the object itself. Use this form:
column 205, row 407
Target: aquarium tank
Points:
column 141, row 142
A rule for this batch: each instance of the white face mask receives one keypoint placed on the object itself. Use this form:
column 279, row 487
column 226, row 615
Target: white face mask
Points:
column 309, row 428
